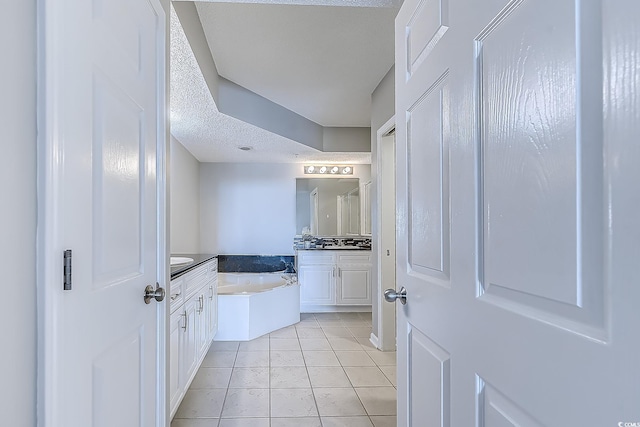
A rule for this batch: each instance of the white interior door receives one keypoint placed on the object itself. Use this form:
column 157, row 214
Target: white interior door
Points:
column 517, row 127
column 101, row 172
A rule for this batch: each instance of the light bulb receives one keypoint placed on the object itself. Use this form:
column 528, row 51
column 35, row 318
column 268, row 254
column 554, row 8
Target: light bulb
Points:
column 323, row 169
column 310, row 169
column 346, row 170
column 334, row 169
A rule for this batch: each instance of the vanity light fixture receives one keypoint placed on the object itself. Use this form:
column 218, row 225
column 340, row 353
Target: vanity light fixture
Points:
column 328, row 169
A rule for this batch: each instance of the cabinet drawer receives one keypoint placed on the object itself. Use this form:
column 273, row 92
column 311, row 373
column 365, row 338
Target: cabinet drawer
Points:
column 176, row 294
column 318, row 257
column 351, row 258
column 195, row 280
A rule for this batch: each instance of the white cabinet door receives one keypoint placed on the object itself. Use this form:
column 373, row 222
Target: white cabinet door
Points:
column 190, row 341
column 175, row 359
column 317, row 284
column 211, row 305
column 354, row 285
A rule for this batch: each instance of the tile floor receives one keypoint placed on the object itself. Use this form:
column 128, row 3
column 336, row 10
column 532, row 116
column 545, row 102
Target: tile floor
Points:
column 321, row 372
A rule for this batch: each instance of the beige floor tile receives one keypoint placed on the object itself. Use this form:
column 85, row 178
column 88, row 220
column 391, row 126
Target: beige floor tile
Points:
column 252, row 359
column 327, row 376
column 360, row 331
column 249, row 378
column 354, row 358
column 366, row 376
column 349, row 316
column 346, row 422
column 327, row 316
column 285, row 344
column 310, row 333
column 366, row 343
column 288, row 332
column 304, row 316
column 258, row 344
column 290, row 377
column 391, row 372
column 244, row 422
column 378, row 400
column 224, row 346
column 338, row 402
column 356, row 324
column 286, row 358
column 212, row 378
column 293, row 403
column 194, row 422
column 315, row 344
column 219, row 359
column 383, row 358
column 329, row 323
column 344, row 344
column 336, row 332
column 320, row 358
column 206, row 403
column 242, row 402
column 307, row 324
column 384, row 421
column 296, row 422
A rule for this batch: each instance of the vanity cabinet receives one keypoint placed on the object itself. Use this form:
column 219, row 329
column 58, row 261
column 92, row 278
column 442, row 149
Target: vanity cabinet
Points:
column 337, row 280
column 193, row 324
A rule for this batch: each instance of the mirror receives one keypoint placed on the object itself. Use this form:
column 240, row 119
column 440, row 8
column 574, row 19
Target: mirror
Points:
column 328, row 206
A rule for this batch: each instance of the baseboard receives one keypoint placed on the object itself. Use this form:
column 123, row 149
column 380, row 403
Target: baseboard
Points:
column 373, row 339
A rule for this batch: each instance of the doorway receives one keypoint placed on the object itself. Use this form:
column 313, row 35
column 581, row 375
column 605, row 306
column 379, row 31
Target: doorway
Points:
column 386, row 232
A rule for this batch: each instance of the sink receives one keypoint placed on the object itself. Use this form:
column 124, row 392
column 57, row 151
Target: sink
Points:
column 180, row 260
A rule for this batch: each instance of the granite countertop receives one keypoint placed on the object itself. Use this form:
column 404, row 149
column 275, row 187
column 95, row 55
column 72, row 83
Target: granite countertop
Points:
column 337, row 248
column 198, row 259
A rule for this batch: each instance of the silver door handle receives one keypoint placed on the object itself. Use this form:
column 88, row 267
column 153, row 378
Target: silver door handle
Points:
column 151, row 293
column 210, row 292
column 390, row 295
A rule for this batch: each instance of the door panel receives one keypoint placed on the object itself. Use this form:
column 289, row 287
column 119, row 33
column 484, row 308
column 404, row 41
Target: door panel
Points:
column 541, row 189
column 430, row 388
column 101, row 154
column 536, row 107
column 428, row 175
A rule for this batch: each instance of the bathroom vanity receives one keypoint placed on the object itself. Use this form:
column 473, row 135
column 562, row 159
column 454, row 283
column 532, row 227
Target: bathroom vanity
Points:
column 193, row 320
column 337, row 279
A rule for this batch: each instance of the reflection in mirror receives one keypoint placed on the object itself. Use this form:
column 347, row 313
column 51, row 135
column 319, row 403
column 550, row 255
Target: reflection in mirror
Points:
column 324, row 204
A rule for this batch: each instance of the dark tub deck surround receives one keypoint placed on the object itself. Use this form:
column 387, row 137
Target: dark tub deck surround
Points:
column 198, row 259
column 256, row 263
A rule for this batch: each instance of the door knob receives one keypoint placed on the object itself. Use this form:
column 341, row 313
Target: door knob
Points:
column 151, row 293
column 390, row 295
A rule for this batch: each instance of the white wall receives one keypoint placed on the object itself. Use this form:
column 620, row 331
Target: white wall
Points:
column 250, row 208
column 18, row 214
column 184, row 173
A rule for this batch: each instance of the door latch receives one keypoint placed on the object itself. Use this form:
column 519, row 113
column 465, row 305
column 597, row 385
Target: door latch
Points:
column 67, row 270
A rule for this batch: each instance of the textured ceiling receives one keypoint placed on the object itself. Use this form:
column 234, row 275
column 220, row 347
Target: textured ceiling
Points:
column 215, row 137
column 318, row 61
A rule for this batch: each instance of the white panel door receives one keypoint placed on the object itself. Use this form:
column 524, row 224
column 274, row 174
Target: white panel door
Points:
column 517, row 196
column 101, row 175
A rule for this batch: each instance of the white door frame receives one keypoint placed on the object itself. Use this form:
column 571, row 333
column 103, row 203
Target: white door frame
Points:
column 386, row 325
column 49, row 263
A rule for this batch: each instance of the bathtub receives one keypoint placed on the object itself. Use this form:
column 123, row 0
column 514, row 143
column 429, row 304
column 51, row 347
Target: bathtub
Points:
column 254, row 304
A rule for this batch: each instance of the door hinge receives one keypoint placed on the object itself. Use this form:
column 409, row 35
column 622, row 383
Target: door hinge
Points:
column 67, row 270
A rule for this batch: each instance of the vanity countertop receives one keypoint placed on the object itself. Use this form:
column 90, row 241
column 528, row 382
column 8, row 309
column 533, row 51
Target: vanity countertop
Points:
column 198, row 259
column 338, row 248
